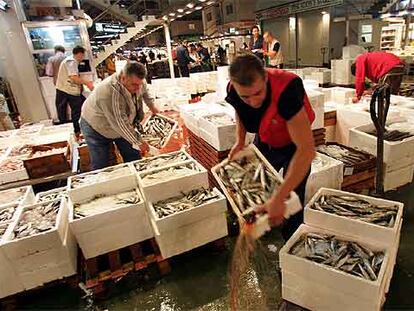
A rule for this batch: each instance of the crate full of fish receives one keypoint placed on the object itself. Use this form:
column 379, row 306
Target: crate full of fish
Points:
column 372, row 218
column 398, row 141
column 109, row 221
column 22, row 195
column 354, row 161
column 324, row 269
column 10, row 282
column 12, row 170
column 159, row 161
column 168, row 181
column 36, row 228
column 186, row 208
column 47, row 160
column 219, row 130
column 53, row 194
column 325, row 172
column 157, row 130
column 250, row 180
column 81, row 186
column 190, row 236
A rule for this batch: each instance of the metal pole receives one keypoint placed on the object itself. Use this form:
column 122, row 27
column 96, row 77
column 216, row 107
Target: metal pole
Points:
column 169, row 51
column 407, row 30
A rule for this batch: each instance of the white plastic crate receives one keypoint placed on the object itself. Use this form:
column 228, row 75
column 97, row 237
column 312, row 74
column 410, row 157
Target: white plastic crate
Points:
column 341, row 71
column 352, row 51
column 125, row 177
column 397, row 178
column 51, row 239
column 355, row 228
column 188, row 237
column 174, row 127
column 111, row 230
column 10, row 282
column 305, row 276
column 188, row 216
column 158, row 190
column 293, row 204
column 221, row 137
column 22, row 195
column 329, row 176
column 317, row 100
column 58, row 192
column 393, row 151
column 12, row 176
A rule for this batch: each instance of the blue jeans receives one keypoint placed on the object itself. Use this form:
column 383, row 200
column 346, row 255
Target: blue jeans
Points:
column 100, row 146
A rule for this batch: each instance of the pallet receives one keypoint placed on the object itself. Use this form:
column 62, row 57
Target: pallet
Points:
column 115, row 265
column 13, row 302
column 330, row 118
column 359, row 177
column 364, row 186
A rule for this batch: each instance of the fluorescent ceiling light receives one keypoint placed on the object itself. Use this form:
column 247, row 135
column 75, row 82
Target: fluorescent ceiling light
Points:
column 180, row 10
column 190, row 5
column 188, row 12
column 198, row 7
column 172, row 14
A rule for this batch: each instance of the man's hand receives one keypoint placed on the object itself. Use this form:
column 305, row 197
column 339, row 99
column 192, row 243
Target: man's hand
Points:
column 89, row 85
column 144, row 148
column 355, row 99
column 275, row 208
column 154, row 110
column 235, row 149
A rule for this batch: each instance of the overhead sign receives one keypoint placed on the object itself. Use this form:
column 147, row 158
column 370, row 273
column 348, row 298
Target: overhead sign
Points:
column 296, row 7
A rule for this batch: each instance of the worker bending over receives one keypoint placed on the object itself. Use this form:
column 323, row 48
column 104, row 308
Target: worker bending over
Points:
column 112, row 112
column 379, row 67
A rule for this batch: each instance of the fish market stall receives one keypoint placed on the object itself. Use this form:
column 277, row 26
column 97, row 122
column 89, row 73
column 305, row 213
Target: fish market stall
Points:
column 157, row 131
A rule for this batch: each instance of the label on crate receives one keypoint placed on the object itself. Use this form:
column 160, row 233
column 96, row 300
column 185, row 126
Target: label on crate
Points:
column 348, row 171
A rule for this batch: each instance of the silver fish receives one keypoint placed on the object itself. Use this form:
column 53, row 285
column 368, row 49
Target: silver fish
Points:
column 156, row 131
column 161, row 160
column 346, row 256
column 184, row 202
column 357, row 208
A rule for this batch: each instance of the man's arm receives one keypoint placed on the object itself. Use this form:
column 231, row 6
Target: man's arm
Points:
column 272, row 53
column 240, row 138
column 360, row 77
column 300, row 131
column 80, row 81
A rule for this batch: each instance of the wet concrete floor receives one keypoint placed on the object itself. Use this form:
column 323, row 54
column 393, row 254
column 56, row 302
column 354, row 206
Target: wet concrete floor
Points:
column 199, row 280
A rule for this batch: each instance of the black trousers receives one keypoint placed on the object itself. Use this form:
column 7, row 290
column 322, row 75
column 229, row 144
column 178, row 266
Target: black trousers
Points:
column 184, row 71
column 280, row 158
column 75, row 104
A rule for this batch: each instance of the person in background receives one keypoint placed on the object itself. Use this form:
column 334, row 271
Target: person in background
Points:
column 151, row 55
column 143, row 59
column 195, row 65
column 69, row 88
column 274, row 51
column 273, row 104
column 110, row 64
column 379, row 67
column 205, row 57
column 256, row 43
column 133, row 57
column 221, row 56
column 53, row 63
column 6, row 122
column 183, row 60
column 112, row 113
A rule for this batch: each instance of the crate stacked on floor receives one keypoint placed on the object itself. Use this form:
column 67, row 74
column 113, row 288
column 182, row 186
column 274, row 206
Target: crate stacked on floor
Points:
column 180, row 230
column 360, row 277
column 359, row 175
column 37, row 246
column 398, row 153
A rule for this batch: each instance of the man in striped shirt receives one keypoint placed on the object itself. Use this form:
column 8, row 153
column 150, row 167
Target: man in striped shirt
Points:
column 111, row 113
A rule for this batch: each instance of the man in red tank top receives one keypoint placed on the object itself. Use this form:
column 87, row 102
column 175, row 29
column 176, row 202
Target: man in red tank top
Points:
column 273, row 104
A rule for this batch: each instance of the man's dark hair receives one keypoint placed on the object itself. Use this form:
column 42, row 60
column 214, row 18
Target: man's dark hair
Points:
column 353, row 69
column 59, row 48
column 255, row 27
column 245, row 69
column 135, row 69
column 78, row 49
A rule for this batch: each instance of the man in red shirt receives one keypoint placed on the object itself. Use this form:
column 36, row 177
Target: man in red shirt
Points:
column 272, row 103
column 377, row 67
